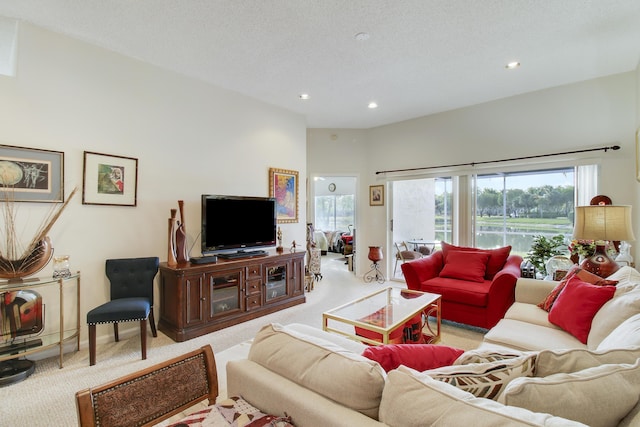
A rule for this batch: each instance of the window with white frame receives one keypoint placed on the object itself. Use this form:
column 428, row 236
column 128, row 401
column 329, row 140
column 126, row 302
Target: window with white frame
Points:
column 507, row 208
column 512, row 208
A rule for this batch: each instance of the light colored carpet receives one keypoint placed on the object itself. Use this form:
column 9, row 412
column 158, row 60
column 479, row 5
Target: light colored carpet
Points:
column 47, row 398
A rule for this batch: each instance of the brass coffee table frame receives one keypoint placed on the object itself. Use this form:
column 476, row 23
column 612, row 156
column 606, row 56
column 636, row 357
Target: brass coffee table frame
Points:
column 397, row 306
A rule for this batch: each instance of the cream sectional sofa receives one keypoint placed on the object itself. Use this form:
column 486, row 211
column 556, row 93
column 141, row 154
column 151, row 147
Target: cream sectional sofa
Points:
column 321, row 379
column 525, row 326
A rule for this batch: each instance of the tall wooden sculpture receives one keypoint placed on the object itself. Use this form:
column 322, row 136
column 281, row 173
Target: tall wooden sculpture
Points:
column 171, row 255
column 182, row 252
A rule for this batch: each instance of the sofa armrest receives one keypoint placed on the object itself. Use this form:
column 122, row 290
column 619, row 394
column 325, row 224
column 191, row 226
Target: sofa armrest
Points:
column 533, row 291
column 502, row 290
column 505, row 280
column 417, row 271
column 511, row 267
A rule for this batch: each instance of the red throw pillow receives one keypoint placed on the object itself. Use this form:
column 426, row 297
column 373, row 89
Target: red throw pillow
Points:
column 497, row 257
column 420, row 357
column 581, row 274
column 470, row 266
column 576, row 305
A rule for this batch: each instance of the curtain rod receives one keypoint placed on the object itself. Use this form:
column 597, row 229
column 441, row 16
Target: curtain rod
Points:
column 472, row 164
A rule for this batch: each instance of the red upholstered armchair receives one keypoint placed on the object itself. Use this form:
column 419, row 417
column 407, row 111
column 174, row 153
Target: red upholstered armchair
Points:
column 477, row 285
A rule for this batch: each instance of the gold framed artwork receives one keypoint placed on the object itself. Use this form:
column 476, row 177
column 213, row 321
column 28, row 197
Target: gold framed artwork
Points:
column 376, row 195
column 283, row 186
column 109, row 180
column 638, row 155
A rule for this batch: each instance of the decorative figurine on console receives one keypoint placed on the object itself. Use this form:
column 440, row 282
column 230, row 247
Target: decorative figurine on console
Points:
column 171, row 255
column 182, row 253
column 293, row 246
column 313, row 254
column 279, row 249
column 178, row 252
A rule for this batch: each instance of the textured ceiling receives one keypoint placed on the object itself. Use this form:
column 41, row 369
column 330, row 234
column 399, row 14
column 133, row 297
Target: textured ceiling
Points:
column 421, row 57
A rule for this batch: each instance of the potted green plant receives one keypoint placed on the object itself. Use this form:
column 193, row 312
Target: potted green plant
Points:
column 544, row 248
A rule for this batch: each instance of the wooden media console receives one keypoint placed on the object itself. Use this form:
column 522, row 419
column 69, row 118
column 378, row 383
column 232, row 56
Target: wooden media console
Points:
column 196, row 299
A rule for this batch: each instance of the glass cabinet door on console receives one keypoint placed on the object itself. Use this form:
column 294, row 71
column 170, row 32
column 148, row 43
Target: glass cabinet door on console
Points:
column 275, row 282
column 225, row 293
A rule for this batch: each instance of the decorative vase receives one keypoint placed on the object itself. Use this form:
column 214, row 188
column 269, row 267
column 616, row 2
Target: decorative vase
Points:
column 61, row 267
column 375, row 254
column 171, row 254
column 624, row 257
column 36, row 260
column 182, row 253
column 599, row 263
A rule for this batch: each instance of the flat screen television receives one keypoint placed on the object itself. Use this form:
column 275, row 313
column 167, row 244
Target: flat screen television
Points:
column 232, row 223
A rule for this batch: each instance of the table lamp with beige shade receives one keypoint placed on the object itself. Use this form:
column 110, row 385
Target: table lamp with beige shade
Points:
column 603, row 224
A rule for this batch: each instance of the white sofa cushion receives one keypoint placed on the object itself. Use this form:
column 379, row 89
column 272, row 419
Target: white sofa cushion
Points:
column 486, row 379
column 549, row 362
column 628, row 278
column 600, row 396
column 526, row 336
column 627, row 334
column 622, row 306
column 321, row 366
column 348, row 344
column 413, row 399
column 529, row 313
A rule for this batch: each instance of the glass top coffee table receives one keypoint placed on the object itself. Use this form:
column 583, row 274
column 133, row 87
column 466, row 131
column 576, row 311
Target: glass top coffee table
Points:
column 379, row 318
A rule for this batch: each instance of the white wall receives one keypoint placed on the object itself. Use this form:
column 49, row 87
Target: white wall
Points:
column 190, row 138
column 589, row 114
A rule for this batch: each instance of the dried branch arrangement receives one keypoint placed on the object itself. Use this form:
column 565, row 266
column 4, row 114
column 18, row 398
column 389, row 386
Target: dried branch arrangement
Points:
column 17, row 260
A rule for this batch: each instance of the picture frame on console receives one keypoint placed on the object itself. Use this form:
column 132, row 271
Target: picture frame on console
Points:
column 109, row 180
column 31, row 174
column 283, row 186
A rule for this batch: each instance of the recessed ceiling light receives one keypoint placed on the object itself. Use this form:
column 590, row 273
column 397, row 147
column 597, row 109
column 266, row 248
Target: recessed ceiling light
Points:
column 373, row 105
column 512, row 65
column 362, row 36
column 304, row 96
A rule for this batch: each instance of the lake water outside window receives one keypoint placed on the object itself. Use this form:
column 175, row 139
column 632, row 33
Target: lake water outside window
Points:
column 509, row 208
column 512, row 208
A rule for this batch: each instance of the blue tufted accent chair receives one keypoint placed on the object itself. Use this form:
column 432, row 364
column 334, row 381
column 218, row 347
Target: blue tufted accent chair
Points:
column 131, row 281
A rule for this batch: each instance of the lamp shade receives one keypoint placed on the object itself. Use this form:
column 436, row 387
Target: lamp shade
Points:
column 603, row 222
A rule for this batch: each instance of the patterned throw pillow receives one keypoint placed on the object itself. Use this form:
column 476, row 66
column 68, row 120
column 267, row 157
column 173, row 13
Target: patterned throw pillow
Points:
column 232, row 412
column 485, row 379
column 484, row 356
column 576, row 271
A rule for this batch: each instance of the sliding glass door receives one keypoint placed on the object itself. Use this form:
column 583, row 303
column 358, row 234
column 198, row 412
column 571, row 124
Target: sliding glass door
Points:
column 421, row 216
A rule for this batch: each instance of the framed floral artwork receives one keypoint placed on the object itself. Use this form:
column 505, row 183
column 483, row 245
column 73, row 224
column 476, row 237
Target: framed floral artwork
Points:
column 109, row 180
column 31, row 174
column 376, row 195
column 283, row 186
